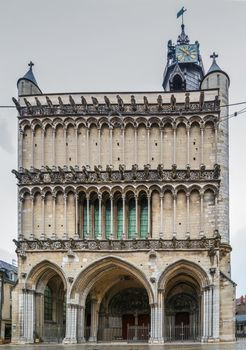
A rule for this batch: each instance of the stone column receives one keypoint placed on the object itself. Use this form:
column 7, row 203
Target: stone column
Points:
column 20, row 148
column 87, row 146
column 111, row 216
column 43, row 218
column 124, row 215
column 32, row 217
column 161, row 145
column 42, row 152
column 65, row 143
column 88, row 215
column 76, row 144
column 174, row 214
column 53, row 146
column 148, row 145
column 216, row 211
column 123, row 145
column 32, row 148
column 81, row 324
column 39, row 314
column 188, row 143
column 160, row 317
column 149, row 228
column 174, row 144
column 71, row 324
column 161, row 206
column 100, row 215
column 201, row 214
column 26, row 314
column 54, row 214
column 135, row 145
column 216, row 310
column 20, row 218
column 76, row 235
column 187, row 215
column 99, row 145
column 202, row 143
column 94, row 321
column 136, row 208
column 216, row 126
column 65, row 236
column 111, row 143
column 154, row 330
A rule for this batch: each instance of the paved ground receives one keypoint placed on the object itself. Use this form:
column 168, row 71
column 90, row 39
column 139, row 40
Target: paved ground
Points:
column 224, row 346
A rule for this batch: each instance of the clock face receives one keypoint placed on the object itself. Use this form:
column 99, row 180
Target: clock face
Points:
column 187, row 53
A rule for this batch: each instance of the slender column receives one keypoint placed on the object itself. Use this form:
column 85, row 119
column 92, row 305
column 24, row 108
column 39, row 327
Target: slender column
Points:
column 204, row 315
column 100, row 215
column 123, row 145
column 20, row 148
column 188, row 143
column 76, row 144
column 32, row 146
column 148, row 145
column 187, row 215
column 71, row 325
column 65, row 216
column 154, row 325
column 161, row 205
column 216, row 211
column 65, row 144
column 43, row 140
column 161, row 145
column 202, row 144
column 207, row 312
column 88, row 215
column 87, row 146
column 174, row 214
column 28, row 316
column 124, row 215
column 32, row 217
column 160, row 318
column 201, row 214
column 76, row 217
column 20, row 217
column 136, row 208
column 81, row 324
column 216, row 142
column 174, row 144
column 99, row 145
column 94, row 321
column 43, row 217
column 149, row 229
column 54, row 214
column 135, row 145
column 53, row 146
column 111, row 216
column 111, row 143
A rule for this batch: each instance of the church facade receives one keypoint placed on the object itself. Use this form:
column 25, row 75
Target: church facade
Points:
column 123, row 210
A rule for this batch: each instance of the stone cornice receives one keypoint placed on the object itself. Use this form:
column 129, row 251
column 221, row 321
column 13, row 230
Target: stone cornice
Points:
column 66, row 175
column 64, row 245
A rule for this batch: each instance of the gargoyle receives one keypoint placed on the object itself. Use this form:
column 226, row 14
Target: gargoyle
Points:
column 122, row 171
column 109, row 170
column 146, row 171
column 133, row 103
column 120, row 103
column 160, row 102
column 160, row 170
column 28, row 105
column 146, row 104
column 17, row 174
column 97, row 170
column 84, row 103
column 173, row 102
column 73, row 104
column 85, row 172
column 134, row 171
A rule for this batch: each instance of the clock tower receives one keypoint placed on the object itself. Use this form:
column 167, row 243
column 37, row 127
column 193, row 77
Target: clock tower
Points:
column 184, row 68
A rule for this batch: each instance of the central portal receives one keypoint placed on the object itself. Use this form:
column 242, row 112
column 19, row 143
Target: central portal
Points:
column 124, row 315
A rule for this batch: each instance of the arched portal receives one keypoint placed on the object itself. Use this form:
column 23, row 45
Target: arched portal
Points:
column 183, row 284
column 116, row 298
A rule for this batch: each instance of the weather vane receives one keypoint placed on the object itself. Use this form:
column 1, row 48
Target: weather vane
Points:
column 181, row 13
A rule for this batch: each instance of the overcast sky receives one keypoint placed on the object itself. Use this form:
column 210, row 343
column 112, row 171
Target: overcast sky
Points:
column 117, row 45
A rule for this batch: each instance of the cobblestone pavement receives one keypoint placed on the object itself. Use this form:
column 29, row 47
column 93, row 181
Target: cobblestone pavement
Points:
column 240, row 345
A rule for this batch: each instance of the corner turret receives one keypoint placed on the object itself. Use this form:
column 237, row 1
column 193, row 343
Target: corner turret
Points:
column 28, row 85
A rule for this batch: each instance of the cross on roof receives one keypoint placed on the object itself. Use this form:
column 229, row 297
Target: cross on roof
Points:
column 214, row 56
column 30, row 64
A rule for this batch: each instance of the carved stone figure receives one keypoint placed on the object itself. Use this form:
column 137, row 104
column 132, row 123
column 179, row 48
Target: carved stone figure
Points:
column 217, row 171
column 133, row 103
column 74, row 173
column 95, row 102
column 134, row 171
column 146, row 171
column 17, row 105
column 187, row 175
column 38, row 103
column 17, row 174
column 160, row 170
column 109, row 170
column 61, row 103
column 84, row 103
column 28, row 106
column 85, row 172
column 216, row 102
column 61, row 173
column 120, row 103
column 107, row 102
column 187, row 101
column 49, row 103
column 201, row 100
column 202, row 170
column 174, row 171
column 146, row 104
column 122, row 171
column 97, row 170
column 160, row 102
column 73, row 104
column 173, row 102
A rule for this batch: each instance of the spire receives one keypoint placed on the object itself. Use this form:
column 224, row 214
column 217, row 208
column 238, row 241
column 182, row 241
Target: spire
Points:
column 214, row 66
column 29, row 85
column 183, row 38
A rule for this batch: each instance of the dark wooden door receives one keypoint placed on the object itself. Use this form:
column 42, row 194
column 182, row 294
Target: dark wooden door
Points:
column 182, row 318
column 127, row 320
column 143, row 320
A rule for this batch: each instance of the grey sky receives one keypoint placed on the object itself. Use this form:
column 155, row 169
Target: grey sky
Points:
column 117, row 45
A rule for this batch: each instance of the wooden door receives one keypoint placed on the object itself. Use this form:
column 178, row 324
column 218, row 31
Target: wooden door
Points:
column 127, row 320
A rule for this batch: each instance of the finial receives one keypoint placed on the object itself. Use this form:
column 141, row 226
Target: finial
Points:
column 214, row 56
column 31, row 64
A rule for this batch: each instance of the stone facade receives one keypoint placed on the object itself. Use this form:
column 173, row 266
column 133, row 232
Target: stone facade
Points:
column 124, row 216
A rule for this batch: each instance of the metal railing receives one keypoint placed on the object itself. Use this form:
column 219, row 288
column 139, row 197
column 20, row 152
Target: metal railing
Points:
column 182, row 333
column 137, row 333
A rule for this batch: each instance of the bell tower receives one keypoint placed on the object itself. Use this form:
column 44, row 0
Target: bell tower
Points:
column 184, row 69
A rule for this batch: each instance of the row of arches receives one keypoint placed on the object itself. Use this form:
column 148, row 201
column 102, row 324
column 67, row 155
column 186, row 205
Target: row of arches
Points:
column 119, row 214
column 70, row 145
column 94, row 307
